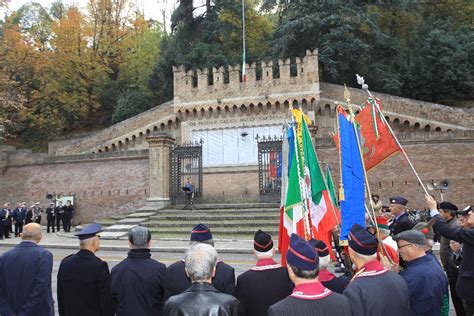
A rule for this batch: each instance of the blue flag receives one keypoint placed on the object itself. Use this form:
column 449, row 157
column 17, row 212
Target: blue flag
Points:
column 353, row 205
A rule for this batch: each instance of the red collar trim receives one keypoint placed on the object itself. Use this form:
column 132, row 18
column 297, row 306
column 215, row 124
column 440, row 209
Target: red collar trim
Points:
column 372, row 268
column 310, row 291
column 266, row 264
column 325, row 275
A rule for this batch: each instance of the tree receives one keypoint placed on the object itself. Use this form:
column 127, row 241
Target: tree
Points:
column 130, row 103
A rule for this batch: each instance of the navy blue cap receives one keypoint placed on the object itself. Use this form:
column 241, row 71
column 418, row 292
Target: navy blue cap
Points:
column 89, row 231
column 361, row 241
column 200, row 232
column 301, row 254
column 398, row 200
column 320, row 247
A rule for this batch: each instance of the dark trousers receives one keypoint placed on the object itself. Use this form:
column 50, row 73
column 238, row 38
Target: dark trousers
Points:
column 58, row 222
column 68, row 223
column 468, row 307
column 64, row 220
column 6, row 231
column 18, row 229
column 457, row 302
column 50, row 223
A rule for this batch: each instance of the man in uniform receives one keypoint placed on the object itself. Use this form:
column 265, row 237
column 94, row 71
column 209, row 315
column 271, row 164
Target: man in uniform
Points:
column 176, row 280
column 6, row 222
column 364, row 290
column 309, row 296
column 329, row 280
column 68, row 214
column 37, row 212
column 50, row 217
column 59, row 213
column 266, row 283
column 464, row 235
column 400, row 221
column 84, row 280
column 19, row 215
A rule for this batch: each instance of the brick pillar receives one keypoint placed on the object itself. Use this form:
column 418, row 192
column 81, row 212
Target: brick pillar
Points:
column 159, row 144
column 313, row 129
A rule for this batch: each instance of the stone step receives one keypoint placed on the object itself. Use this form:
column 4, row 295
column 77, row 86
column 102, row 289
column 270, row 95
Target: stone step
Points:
column 220, row 211
column 212, row 206
column 214, row 224
column 216, row 230
column 212, row 217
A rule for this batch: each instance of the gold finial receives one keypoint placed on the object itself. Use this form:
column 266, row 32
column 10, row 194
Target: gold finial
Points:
column 347, row 95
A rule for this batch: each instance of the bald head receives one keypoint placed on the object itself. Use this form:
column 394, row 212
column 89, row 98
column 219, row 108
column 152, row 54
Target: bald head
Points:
column 32, row 232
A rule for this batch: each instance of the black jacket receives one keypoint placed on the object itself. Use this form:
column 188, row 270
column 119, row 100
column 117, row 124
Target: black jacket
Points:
column 5, row 220
column 465, row 284
column 84, row 286
column 400, row 225
column 176, row 280
column 201, row 299
column 261, row 287
column 68, row 211
column 50, row 214
column 137, row 284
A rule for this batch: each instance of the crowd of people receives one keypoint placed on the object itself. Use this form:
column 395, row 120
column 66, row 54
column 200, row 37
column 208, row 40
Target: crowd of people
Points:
column 394, row 273
column 13, row 220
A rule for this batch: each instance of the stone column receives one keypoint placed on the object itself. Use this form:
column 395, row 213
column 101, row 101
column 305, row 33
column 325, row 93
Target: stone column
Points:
column 313, row 130
column 159, row 144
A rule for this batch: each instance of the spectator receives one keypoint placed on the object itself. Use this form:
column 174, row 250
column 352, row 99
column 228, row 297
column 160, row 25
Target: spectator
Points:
column 201, row 298
column 426, row 280
column 137, row 281
column 176, row 280
column 25, row 277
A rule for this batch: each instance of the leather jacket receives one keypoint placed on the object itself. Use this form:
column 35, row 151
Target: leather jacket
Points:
column 201, row 299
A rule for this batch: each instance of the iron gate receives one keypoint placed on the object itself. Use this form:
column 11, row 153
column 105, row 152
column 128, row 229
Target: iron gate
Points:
column 186, row 165
column 269, row 167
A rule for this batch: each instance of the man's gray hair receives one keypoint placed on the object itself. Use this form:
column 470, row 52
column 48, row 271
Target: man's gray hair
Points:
column 207, row 242
column 32, row 232
column 200, row 261
column 366, row 258
column 139, row 237
column 263, row 255
column 324, row 262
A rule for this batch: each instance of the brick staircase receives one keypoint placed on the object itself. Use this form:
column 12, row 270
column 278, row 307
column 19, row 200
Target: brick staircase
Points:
column 226, row 221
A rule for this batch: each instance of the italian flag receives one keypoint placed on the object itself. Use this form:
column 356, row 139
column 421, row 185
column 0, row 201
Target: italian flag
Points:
column 306, row 208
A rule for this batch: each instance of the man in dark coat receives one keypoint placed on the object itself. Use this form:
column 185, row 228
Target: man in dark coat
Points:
column 449, row 212
column 137, row 281
column 84, row 280
column 364, row 290
column 328, row 279
column 25, row 277
column 59, row 213
column 18, row 216
column 6, row 222
column 309, row 296
column 68, row 214
column 465, row 282
column 201, row 298
column 50, row 217
column 425, row 278
column 400, row 221
column 176, row 280
column 266, row 283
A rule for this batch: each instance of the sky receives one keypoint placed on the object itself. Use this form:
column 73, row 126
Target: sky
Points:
column 151, row 8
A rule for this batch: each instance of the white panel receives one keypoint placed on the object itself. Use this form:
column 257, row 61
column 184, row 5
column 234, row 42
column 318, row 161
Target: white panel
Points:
column 197, row 136
column 215, row 148
column 230, row 139
column 246, row 147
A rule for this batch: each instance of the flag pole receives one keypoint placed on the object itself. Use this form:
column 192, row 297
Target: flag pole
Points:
column 347, row 97
column 243, row 42
column 360, row 81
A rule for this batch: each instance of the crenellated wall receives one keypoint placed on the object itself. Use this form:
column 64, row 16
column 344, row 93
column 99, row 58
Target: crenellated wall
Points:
column 212, row 86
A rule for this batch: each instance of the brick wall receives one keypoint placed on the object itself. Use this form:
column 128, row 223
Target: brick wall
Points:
column 103, row 187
